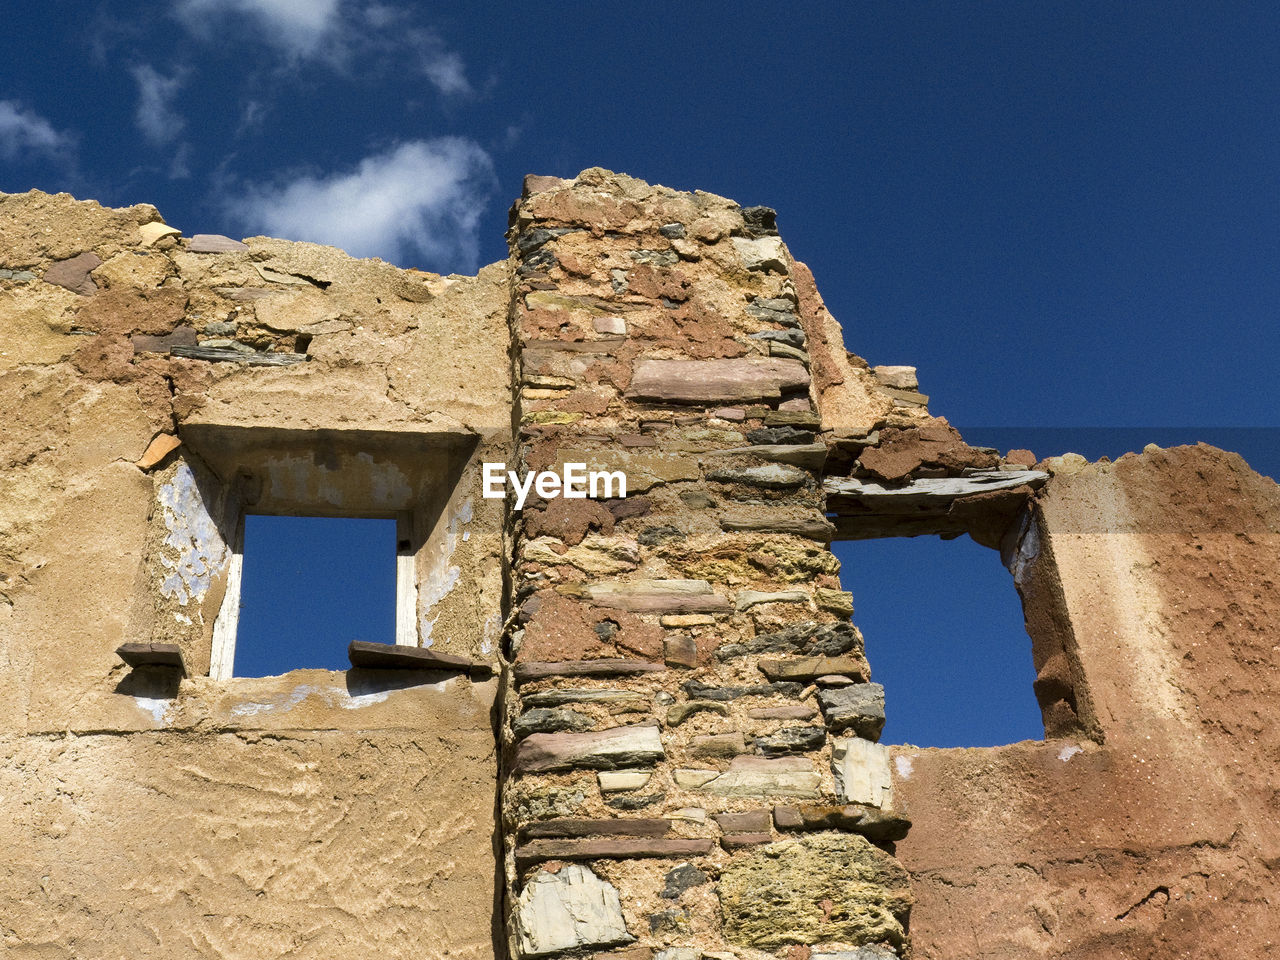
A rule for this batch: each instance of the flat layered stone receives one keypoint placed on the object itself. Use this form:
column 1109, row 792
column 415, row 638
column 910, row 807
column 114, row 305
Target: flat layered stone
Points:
column 718, row 745
column 214, row 243
column 614, row 781
column 809, row 638
column 746, row 599
column 816, row 888
column 796, row 711
column 858, row 708
column 621, row 699
column 817, row 528
column 527, row 672
column 159, row 448
column 839, row 602
column 693, row 779
column 769, row 476
column 542, row 720
column 716, row 381
column 610, row 848
column 862, row 772
column 739, row 841
column 703, row 691
column 878, row 825
column 643, row 470
column 808, row 668
column 73, row 274
column 791, row 740
column 149, row 233
column 763, row 777
column 752, row 821
column 651, row 596
column 610, row 749
column 874, row 951
column 810, row 456
column 607, row 827
column 631, row 801
column 571, row 909
column 394, row 656
column 678, row 620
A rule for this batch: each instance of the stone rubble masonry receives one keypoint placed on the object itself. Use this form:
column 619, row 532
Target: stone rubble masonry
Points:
column 662, row 334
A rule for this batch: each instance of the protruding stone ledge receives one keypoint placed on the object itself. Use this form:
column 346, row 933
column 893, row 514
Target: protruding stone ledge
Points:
column 610, row 749
column 167, row 655
column 528, row 672
column 610, row 848
column 393, row 656
column 715, row 381
column 811, row 456
column 931, row 493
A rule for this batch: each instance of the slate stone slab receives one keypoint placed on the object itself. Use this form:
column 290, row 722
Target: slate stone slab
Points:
column 568, row 910
column 877, row 825
column 619, row 699
column 791, row 740
column 393, row 656
column 769, row 476
column 526, row 672
column 858, row 708
column 703, row 691
column 763, row 777
column 610, row 848
column 752, row 821
column 576, row 827
column 152, row 655
column 543, row 720
column 232, row 355
column 73, row 274
column 862, row 772
column 804, row 669
column 610, row 749
column 716, row 381
column 809, row 638
column 214, row 243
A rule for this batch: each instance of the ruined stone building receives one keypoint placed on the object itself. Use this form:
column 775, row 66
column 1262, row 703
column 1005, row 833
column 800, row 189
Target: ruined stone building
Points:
column 629, row 727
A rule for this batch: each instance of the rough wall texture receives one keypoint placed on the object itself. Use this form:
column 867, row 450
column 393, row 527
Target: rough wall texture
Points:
column 1160, row 840
column 676, row 756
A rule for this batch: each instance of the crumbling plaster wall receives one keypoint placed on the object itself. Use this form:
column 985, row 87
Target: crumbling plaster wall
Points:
column 313, row 814
column 1157, row 837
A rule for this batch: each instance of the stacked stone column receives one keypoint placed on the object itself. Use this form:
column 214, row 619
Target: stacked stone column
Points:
column 690, row 757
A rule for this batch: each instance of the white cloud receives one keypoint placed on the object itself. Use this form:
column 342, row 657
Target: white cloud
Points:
column 22, row 131
column 420, row 201
column 299, row 27
column 159, row 122
column 336, row 32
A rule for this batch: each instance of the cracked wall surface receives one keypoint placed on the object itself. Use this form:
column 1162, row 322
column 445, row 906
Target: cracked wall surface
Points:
column 642, row 728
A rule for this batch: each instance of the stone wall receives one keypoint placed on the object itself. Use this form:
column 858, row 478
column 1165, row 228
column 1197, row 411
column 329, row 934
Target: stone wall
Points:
column 691, row 757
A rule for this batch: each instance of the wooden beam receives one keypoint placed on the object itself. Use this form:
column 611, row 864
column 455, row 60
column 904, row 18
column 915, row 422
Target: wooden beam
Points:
column 167, row 655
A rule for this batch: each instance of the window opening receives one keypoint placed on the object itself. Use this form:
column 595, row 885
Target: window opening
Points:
column 309, row 586
column 945, row 637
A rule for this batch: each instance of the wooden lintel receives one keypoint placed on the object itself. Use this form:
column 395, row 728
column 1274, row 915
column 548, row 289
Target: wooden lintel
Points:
column 391, row 656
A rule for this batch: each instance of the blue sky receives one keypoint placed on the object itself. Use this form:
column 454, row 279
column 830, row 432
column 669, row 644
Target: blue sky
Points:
column 1066, row 214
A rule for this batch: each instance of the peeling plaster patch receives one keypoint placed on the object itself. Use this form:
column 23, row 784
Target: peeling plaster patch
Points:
column 253, row 707
column 1066, row 753
column 182, row 618
column 298, row 479
column 904, row 767
column 364, row 700
column 194, row 551
column 388, row 484
column 492, row 627
column 442, row 577
column 157, row 708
